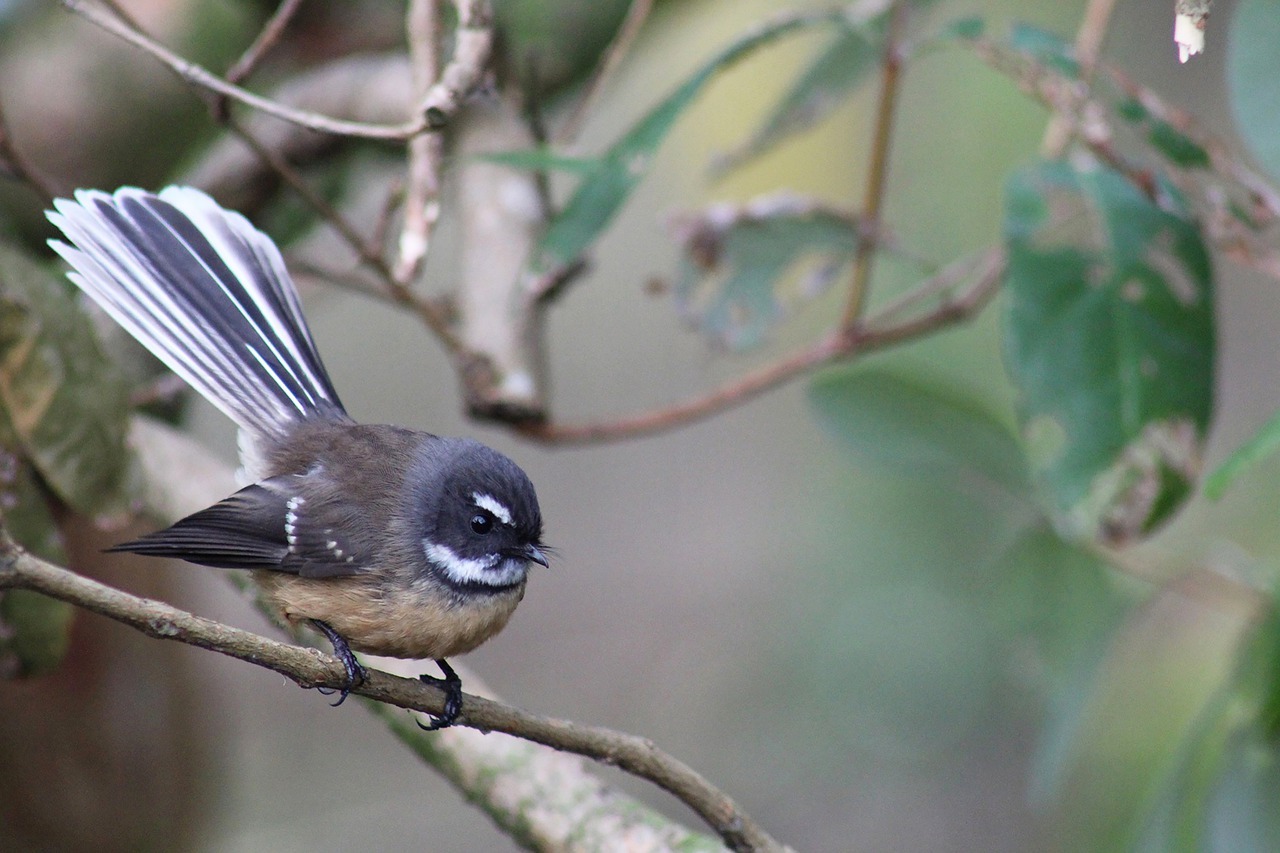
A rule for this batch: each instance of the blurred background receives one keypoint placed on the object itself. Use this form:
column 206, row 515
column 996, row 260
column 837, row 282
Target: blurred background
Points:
column 867, row 654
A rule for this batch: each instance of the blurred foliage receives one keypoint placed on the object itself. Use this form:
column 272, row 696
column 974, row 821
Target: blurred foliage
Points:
column 1253, row 69
column 549, row 44
column 63, row 421
column 599, row 195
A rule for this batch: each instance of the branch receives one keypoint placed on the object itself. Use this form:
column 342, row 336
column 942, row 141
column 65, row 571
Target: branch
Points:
column 312, row 668
column 872, row 334
column 426, row 151
column 181, row 477
column 199, row 76
column 248, row 61
column 1088, row 44
column 878, row 167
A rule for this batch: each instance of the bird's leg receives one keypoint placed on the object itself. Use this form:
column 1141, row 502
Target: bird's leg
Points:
column 356, row 673
column 452, row 687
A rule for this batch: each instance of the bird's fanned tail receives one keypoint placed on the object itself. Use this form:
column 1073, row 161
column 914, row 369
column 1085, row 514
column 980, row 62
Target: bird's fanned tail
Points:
column 207, row 293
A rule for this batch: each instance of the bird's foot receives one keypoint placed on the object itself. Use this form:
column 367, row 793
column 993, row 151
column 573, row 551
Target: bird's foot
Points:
column 356, row 674
column 452, row 687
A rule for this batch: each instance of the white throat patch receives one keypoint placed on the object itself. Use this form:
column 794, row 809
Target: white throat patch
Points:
column 491, row 570
column 493, row 505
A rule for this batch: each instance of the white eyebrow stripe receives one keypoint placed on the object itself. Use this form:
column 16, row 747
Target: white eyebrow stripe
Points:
column 493, row 505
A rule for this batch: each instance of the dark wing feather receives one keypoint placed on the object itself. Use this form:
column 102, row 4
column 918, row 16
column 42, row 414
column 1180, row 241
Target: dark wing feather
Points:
column 245, row 531
column 282, row 524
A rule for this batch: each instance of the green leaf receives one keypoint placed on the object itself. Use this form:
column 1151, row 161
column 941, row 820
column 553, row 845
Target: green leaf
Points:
column 827, row 83
column 903, row 423
column 1047, row 48
column 1253, row 78
column 733, row 277
column 67, row 407
column 1070, row 607
column 1109, row 334
column 601, row 194
column 1181, row 149
column 1150, row 738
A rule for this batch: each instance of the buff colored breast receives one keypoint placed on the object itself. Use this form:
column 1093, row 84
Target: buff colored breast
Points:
column 415, row 623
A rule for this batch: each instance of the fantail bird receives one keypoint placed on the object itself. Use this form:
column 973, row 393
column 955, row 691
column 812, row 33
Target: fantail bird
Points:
column 387, row 540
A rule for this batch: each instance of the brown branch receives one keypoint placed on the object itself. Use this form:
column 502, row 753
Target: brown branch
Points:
column 312, row 668
column 442, row 93
column 878, row 167
column 198, row 76
column 1221, row 160
column 270, row 35
column 872, row 334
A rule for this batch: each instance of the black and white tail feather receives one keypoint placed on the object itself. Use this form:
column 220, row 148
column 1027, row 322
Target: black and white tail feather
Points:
column 206, row 292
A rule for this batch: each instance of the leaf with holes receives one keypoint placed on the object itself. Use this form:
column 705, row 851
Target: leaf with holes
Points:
column 1109, row 338
column 744, row 268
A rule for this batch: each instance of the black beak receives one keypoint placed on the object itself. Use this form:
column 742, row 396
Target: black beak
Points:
column 534, row 555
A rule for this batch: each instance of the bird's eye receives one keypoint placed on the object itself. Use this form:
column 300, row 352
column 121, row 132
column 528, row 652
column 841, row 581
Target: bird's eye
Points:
column 482, row 523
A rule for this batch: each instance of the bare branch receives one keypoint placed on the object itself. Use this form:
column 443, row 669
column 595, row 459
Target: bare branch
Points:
column 872, row 334
column 313, row 668
column 271, row 33
column 878, row 166
column 199, row 76
column 473, row 45
column 1088, row 44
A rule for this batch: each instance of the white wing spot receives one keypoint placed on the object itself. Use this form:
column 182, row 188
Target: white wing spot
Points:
column 493, row 505
column 291, row 520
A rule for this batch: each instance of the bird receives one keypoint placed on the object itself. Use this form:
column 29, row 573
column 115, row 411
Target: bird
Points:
column 386, row 540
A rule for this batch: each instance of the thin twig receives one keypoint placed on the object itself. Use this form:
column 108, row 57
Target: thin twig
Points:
column 1088, row 45
column 878, row 167
column 869, row 335
column 940, row 282
column 1221, row 158
column 270, row 35
column 637, row 14
column 199, row 76
column 313, row 668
